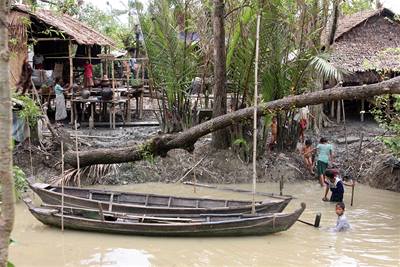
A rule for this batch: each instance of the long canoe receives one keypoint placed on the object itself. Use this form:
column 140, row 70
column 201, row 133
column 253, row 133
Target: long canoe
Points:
column 140, row 203
column 196, row 225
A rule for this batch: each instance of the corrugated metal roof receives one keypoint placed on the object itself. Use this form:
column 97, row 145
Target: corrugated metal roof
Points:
column 79, row 31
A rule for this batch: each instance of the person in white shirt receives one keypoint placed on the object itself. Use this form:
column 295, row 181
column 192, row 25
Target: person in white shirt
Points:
column 342, row 223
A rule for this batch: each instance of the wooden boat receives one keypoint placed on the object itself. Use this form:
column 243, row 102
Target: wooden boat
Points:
column 195, row 225
column 150, row 203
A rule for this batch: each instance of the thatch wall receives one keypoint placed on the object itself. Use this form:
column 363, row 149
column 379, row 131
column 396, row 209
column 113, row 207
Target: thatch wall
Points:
column 367, row 45
column 18, row 44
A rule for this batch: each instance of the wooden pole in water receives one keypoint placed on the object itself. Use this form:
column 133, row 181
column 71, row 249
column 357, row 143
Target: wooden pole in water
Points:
column 62, row 186
column 77, row 155
column 352, row 194
column 253, row 207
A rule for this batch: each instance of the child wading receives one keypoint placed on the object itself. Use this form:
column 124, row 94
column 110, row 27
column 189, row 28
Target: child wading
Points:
column 341, row 224
column 61, row 111
column 325, row 155
column 335, row 184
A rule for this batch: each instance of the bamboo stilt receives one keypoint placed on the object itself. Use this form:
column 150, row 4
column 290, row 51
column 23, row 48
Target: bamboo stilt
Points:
column 30, row 147
column 338, row 110
column 362, row 110
column 62, row 186
column 77, row 155
column 253, row 207
column 71, row 64
column 345, row 131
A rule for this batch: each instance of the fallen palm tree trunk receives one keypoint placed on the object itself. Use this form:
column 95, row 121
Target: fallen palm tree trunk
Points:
column 159, row 146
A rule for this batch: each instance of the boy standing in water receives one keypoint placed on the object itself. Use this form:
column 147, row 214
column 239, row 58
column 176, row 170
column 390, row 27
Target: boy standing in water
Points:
column 341, row 224
column 325, row 155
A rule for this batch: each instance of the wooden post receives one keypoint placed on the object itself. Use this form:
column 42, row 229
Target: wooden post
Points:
column 90, row 54
column 128, row 111
column 62, row 186
column 113, row 90
column 352, row 194
column 106, row 61
column 71, row 64
column 345, row 131
column 253, row 206
column 77, row 155
column 332, row 109
column 338, row 111
column 362, row 110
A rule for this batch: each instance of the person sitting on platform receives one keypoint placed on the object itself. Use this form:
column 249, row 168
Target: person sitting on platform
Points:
column 341, row 224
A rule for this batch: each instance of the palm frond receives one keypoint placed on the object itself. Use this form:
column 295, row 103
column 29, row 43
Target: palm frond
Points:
column 324, row 69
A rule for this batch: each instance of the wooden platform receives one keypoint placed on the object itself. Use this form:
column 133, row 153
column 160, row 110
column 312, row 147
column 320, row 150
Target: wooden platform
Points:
column 124, row 124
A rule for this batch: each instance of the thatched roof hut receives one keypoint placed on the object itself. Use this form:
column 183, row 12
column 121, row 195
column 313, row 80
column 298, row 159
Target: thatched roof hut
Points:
column 367, row 45
column 51, row 34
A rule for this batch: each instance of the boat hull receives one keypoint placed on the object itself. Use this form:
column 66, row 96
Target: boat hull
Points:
column 115, row 201
column 261, row 224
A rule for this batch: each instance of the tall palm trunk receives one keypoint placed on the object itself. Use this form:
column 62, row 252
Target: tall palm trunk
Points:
column 6, row 179
column 335, row 18
column 220, row 139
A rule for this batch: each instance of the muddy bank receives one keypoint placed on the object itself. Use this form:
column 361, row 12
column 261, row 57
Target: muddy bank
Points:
column 364, row 158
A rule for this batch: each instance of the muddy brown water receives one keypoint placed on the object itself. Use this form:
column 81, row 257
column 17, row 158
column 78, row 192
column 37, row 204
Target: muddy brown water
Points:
column 373, row 241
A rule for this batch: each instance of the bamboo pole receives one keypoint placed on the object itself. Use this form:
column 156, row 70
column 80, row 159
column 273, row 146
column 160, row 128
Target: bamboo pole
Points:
column 77, row 155
column 338, row 109
column 30, row 147
column 362, row 110
column 113, row 97
column 71, row 64
column 90, row 54
column 62, row 186
column 345, row 132
column 253, row 207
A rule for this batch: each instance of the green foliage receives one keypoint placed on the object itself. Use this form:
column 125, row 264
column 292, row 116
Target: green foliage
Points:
column 241, row 142
column 325, row 69
column 20, row 183
column 387, row 114
column 31, row 111
column 10, row 264
column 173, row 62
column 353, row 6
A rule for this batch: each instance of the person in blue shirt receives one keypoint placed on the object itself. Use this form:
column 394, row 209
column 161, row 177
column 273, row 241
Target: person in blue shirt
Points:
column 324, row 157
column 342, row 223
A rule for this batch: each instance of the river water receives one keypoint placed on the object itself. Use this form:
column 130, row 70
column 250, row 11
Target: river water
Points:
column 373, row 241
